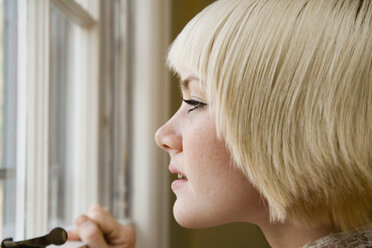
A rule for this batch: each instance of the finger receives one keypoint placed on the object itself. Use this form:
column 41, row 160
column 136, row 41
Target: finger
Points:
column 114, row 232
column 103, row 218
column 130, row 236
column 90, row 233
column 73, row 235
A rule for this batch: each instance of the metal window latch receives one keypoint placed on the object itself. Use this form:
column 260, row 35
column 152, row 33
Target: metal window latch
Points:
column 58, row 236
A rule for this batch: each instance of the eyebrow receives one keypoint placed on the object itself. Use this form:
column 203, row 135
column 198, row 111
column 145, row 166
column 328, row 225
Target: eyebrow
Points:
column 184, row 83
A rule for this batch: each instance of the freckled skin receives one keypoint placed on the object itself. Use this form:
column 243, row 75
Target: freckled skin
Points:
column 216, row 191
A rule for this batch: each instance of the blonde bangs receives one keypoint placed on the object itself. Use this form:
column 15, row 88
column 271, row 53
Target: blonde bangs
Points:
column 291, row 83
column 190, row 52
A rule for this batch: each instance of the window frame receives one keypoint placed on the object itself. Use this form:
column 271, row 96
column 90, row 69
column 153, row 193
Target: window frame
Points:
column 8, row 170
column 33, row 111
column 151, row 105
column 149, row 96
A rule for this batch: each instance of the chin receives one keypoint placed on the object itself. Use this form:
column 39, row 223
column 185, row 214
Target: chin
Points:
column 192, row 222
column 193, row 219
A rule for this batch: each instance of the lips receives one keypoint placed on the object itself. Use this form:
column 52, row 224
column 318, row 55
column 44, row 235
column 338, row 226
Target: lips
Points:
column 179, row 173
column 182, row 179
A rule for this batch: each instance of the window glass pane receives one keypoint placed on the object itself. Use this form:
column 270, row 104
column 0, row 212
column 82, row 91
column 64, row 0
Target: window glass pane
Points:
column 8, row 99
column 61, row 154
column 114, row 182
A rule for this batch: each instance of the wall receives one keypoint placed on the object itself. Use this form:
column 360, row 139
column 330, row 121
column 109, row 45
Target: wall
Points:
column 232, row 235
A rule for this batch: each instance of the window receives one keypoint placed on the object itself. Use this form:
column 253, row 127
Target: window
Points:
column 83, row 89
column 8, row 114
column 68, row 124
column 49, row 130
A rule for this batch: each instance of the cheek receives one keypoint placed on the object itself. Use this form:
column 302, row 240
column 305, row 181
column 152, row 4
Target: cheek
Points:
column 208, row 157
column 216, row 192
column 217, row 188
column 207, row 160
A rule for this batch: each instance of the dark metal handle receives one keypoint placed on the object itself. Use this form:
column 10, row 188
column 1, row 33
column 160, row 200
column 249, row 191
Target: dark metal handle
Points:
column 58, row 236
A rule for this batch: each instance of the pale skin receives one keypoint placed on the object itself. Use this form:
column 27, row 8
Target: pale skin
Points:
column 211, row 191
column 98, row 229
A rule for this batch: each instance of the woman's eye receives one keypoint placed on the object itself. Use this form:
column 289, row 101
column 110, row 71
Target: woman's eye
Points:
column 195, row 104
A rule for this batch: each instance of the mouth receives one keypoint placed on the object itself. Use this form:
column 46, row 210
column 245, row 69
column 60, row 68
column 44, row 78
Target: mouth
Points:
column 179, row 182
column 181, row 179
column 181, row 176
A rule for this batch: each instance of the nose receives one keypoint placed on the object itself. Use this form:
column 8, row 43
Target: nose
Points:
column 168, row 137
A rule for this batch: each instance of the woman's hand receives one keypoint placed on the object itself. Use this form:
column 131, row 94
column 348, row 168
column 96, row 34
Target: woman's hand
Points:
column 99, row 229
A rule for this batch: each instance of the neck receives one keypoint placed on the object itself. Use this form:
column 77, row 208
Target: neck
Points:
column 288, row 235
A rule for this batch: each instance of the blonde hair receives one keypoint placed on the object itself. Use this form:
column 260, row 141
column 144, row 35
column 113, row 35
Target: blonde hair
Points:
column 291, row 83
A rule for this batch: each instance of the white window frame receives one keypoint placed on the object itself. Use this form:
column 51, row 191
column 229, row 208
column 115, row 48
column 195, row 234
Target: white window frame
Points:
column 151, row 105
column 33, row 110
column 149, row 204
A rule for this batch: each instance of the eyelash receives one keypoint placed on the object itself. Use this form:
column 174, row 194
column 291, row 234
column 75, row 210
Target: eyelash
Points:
column 194, row 103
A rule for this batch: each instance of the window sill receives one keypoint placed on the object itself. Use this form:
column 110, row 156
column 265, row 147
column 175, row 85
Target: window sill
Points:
column 70, row 244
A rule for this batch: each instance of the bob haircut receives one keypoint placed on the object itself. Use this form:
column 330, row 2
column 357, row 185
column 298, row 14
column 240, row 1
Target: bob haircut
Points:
column 291, row 85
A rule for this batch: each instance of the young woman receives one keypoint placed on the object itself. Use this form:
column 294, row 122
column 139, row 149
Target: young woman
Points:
column 275, row 127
